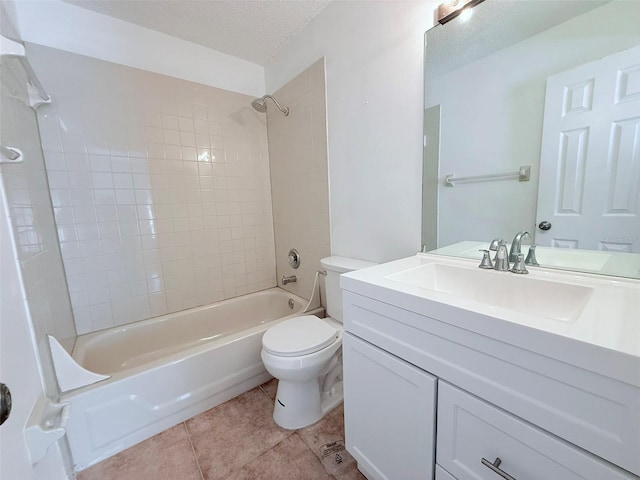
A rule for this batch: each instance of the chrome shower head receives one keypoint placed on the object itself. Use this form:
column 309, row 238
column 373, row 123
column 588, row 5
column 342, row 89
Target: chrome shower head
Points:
column 260, row 104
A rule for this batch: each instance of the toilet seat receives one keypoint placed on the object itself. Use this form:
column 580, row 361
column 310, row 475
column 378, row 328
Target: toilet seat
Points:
column 299, row 336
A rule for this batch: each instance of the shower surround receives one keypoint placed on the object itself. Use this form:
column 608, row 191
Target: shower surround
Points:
column 160, row 188
column 299, row 175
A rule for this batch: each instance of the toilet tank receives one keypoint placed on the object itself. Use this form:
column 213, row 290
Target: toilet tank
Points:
column 335, row 266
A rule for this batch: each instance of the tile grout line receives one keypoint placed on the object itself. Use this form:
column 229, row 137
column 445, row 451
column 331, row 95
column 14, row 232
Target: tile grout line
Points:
column 297, row 431
column 291, row 432
column 240, row 467
column 262, row 390
column 193, row 450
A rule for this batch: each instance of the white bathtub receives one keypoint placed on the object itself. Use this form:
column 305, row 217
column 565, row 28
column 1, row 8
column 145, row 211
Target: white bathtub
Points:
column 167, row 369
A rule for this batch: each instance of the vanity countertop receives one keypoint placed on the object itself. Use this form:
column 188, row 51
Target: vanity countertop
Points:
column 590, row 321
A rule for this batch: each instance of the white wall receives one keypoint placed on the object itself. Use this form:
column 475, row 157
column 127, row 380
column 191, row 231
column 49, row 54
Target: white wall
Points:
column 56, row 24
column 374, row 70
column 374, row 66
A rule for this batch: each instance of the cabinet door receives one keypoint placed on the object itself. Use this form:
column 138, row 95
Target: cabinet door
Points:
column 389, row 409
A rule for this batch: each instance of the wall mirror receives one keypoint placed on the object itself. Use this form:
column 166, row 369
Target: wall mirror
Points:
column 532, row 115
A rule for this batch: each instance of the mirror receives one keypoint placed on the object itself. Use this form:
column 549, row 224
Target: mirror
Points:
column 532, row 114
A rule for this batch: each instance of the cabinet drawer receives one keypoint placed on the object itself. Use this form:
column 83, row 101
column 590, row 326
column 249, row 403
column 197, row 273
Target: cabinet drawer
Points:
column 470, row 429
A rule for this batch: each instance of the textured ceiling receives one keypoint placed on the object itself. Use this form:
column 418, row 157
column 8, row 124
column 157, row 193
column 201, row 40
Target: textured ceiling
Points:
column 250, row 29
column 493, row 26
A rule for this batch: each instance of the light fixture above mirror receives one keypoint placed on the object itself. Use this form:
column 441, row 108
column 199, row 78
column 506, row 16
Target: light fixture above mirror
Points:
column 447, row 11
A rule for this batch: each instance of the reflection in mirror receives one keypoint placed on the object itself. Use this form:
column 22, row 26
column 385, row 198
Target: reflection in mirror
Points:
column 553, row 85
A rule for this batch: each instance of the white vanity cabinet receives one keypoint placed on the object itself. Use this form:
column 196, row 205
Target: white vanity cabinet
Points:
column 390, row 425
column 545, row 417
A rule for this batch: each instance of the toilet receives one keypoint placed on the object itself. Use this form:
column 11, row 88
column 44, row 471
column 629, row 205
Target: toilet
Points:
column 305, row 355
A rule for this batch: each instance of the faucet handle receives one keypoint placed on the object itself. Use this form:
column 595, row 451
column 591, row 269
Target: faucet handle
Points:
column 519, row 266
column 531, row 256
column 486, row 260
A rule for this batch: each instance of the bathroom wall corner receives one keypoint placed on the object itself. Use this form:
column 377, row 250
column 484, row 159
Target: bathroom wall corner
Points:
column 299, row 176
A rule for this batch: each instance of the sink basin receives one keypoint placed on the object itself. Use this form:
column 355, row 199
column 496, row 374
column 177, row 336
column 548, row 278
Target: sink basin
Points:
column 521, row 293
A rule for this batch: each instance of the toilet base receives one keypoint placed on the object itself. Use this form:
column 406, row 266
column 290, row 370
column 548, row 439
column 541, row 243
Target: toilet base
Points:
column 299, row 405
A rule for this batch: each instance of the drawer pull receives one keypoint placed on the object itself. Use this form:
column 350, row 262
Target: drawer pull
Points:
column 494, row 466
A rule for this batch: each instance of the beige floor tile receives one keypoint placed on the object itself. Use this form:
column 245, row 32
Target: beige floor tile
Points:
column 232, row 434
column 291, row 459
column 352, row 473
column 270, row 388
column 166, row 455
column 328, row 430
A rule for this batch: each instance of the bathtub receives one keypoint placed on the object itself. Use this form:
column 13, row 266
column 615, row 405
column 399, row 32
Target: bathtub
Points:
column 167, row 369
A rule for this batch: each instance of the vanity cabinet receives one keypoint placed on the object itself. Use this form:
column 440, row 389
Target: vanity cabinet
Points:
column 545, row 419
column 390, row 425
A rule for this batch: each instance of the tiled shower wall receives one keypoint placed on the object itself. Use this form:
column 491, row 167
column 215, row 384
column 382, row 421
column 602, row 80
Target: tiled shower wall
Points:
column 31, row 216
column 299, row 176
column 160, row 187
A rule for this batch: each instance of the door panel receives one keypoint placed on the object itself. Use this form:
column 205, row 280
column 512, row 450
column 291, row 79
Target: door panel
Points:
column 590, row 163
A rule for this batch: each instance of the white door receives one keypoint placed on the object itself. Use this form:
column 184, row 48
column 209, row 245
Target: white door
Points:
column 18, row 370
column 590, row 156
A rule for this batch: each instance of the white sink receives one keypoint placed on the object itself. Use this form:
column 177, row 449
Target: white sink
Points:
column 520, row 293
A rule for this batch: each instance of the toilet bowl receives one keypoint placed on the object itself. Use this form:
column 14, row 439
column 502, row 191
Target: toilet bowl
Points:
column 305, row 355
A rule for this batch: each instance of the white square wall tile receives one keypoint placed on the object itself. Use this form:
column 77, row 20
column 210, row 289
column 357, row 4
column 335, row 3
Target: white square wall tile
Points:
column 98, row 163
column 141, row 189
column 102, row 180
column 122, row 180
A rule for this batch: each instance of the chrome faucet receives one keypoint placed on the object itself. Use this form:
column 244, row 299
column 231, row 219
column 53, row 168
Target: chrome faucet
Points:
column 289, row 279
column 516, row 245
column 493, row 246
column 501, row 260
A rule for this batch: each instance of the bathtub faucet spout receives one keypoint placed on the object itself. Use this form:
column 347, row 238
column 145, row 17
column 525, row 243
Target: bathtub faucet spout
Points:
column 289, row 279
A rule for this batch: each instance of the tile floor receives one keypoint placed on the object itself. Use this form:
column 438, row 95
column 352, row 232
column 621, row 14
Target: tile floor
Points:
column 236, row 440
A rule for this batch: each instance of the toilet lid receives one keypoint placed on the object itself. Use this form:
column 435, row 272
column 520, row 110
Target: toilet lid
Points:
column 299, row 336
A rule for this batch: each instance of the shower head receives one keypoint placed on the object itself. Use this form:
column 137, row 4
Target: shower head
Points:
column 260, row 104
